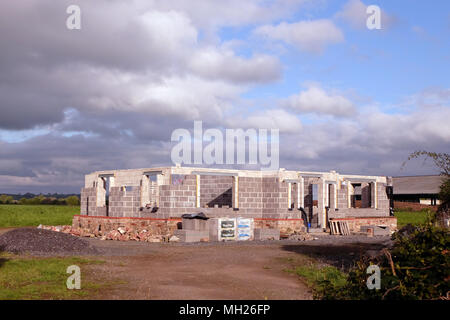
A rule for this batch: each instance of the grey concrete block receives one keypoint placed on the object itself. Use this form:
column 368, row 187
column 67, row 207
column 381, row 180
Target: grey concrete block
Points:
column 191, row 235
column 266, row 234
column 376, row 230
column 195, row 224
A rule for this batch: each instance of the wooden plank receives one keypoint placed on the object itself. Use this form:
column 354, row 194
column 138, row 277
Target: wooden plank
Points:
column 347, row 230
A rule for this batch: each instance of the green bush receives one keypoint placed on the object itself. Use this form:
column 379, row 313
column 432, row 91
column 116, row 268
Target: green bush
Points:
column 4, row 199
column 73, row 201
column 417, row 267
column 444, row 191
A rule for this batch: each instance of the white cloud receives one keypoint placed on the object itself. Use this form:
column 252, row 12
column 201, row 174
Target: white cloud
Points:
column 187, row 98
column 210, row 14
column 311, row 36
column 317, row 100
column 268, row 119
column 224, row 64
column 142, row 58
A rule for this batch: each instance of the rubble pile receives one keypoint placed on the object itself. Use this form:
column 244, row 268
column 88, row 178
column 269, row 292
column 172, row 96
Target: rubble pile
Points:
column 301, row 237
column 121, row 234
column 125, row 233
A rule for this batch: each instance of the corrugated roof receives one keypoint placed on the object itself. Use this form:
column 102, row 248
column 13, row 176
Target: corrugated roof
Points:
column 417, row 184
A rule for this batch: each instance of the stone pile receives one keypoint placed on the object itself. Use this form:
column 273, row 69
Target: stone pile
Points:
column 301, row 237
column 125, row 233
column 121, row 234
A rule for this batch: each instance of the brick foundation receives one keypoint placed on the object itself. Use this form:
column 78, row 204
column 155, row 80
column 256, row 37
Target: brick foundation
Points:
column 98, row 225
column 286, row 226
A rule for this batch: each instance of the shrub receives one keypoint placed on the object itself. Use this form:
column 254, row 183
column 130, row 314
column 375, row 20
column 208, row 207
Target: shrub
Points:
column 417, row 267
column 73, row 201
column 6, row 199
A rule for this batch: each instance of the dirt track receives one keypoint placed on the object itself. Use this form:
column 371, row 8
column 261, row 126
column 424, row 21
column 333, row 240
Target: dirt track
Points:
column 253, row 270
column 233, row 270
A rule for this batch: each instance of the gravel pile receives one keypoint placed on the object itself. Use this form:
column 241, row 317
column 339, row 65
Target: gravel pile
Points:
column 44, row 242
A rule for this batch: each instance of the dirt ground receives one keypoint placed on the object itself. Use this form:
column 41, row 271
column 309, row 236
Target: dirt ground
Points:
column 250, row 270
column 204, row 271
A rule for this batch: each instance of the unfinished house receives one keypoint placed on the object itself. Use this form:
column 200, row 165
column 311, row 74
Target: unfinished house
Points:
column 291, row 201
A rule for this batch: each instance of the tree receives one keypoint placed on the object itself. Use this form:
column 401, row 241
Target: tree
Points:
column 73, row 201
column 442, row 162
column 6, row 199
column 416, row 267
column 36, row 200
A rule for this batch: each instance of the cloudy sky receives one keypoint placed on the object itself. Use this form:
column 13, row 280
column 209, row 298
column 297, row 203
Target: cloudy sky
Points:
column 109, row 95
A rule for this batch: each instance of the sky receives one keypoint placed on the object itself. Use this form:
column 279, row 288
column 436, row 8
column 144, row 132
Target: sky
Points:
column 109, row 95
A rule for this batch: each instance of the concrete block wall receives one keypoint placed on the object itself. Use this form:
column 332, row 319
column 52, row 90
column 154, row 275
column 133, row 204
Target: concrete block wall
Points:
column 383, row 200
column 275, row 195
column 366, row 195
column 180, row 198
column 342, row 197
column 250, row 193
column 260, row 195
column 357, row 212
column 88, row 201
column 216, row 190
column 123, row 203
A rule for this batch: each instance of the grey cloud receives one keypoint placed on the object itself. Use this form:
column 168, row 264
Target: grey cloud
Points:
column 133, row 58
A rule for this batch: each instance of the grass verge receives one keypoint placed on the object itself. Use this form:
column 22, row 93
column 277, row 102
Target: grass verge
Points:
column 411, row 217
column 13, row 215
column 27, row 278
column 320, row 278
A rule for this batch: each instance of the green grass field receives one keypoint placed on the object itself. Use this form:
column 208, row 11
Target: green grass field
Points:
column 12, row 215
column 410, row 217
column 42, row 278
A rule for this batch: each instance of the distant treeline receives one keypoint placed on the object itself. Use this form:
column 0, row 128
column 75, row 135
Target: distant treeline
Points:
column 72, row 200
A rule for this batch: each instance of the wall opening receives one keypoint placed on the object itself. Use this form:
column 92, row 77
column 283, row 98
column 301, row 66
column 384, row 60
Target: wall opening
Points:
column 355, row 198
column 216, row 191
column 315, row 195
